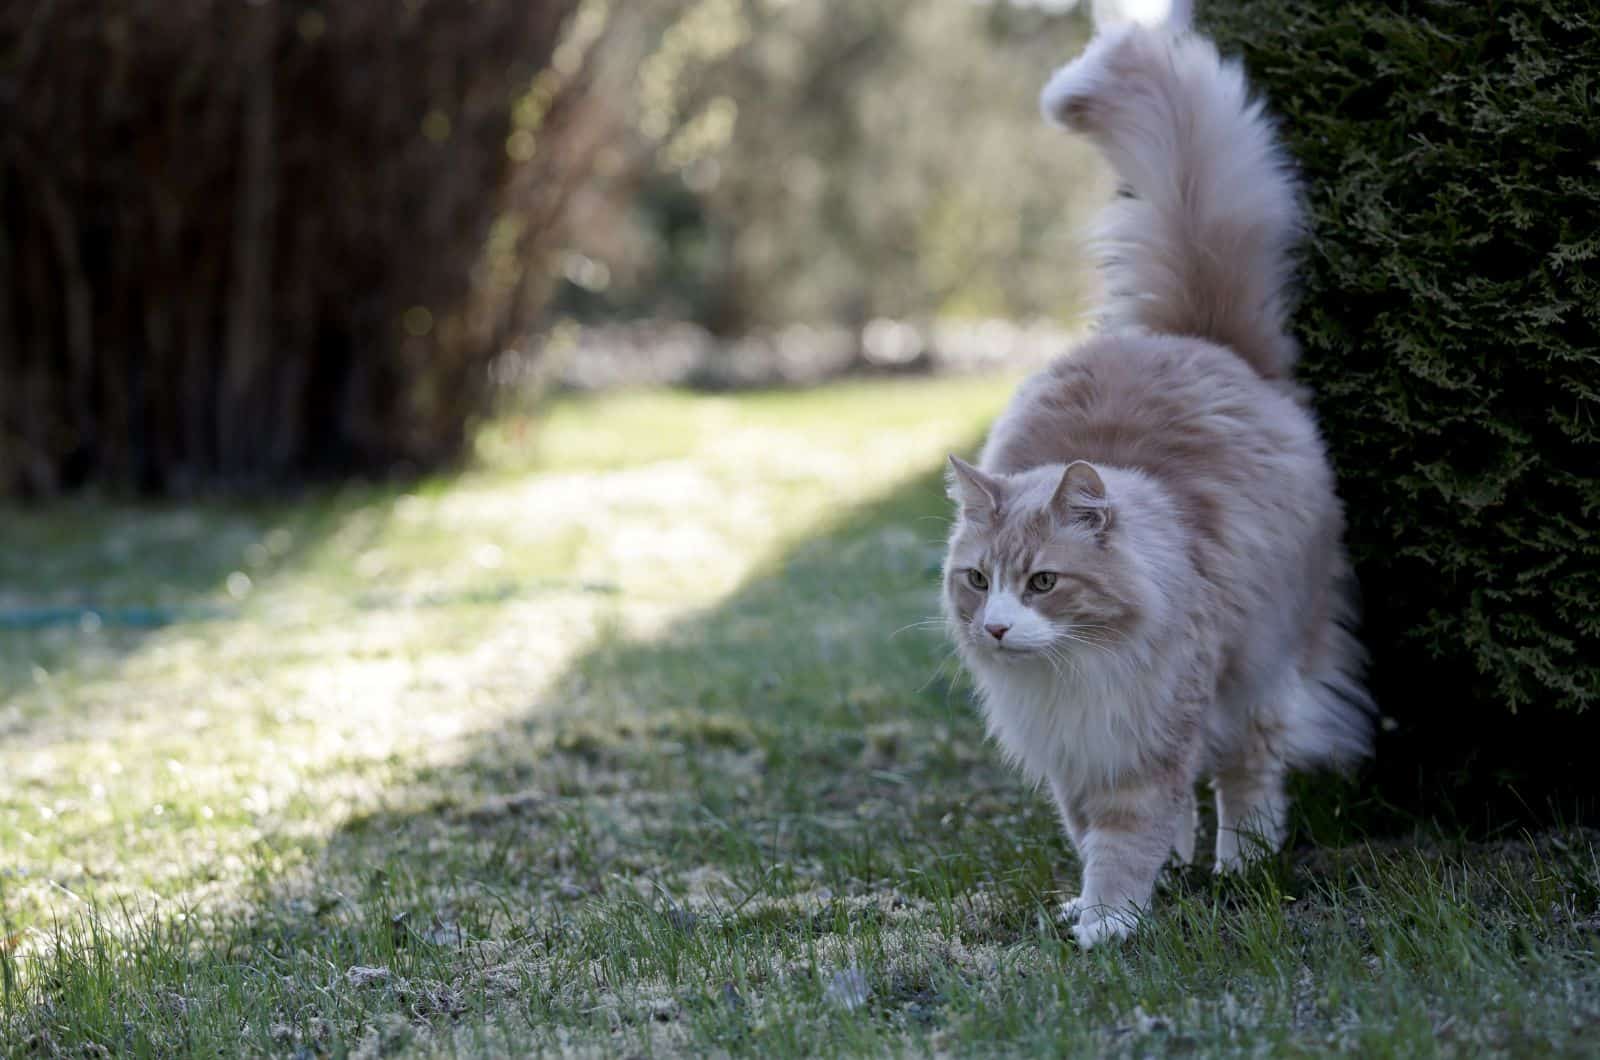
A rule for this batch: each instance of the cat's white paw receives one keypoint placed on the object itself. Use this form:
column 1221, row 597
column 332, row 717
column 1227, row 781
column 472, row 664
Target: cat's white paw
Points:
column 1234, row 859
column 1094, row 928
column 1070, row 909
column 1229, row 865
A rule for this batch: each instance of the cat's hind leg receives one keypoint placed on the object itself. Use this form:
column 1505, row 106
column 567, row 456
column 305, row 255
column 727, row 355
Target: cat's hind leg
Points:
column 1250, row 764
column 1188, row 824
column 1252, row 812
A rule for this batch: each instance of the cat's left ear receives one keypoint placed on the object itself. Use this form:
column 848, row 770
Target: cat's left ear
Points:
column 1080, row 497
column 977, row 493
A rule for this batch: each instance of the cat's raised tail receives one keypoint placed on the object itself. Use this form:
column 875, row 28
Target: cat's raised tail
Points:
column 1203, row 246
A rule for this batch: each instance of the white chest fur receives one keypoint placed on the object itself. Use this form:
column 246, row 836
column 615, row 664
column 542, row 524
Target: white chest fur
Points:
column 1083, row 727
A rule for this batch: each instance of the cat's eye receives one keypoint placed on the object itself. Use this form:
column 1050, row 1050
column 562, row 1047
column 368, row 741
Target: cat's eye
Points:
column 1042, row 582
column 976, row 579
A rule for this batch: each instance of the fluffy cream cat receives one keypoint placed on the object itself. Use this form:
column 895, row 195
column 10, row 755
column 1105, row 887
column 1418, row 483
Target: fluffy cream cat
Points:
column 1146, row 577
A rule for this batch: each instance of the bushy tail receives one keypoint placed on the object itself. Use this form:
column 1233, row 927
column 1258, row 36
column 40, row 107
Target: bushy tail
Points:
column 1332, row 715
column 1203, row 245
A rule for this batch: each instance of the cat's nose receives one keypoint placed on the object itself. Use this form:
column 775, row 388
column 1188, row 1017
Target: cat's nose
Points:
column 998, row 632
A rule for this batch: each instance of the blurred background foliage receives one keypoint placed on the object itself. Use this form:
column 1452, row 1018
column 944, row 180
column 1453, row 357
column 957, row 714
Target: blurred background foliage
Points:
column 798, row 160
column 245, row 244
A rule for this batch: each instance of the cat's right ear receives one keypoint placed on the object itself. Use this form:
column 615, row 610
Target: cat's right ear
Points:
column 977, row 494
column 1080, row 497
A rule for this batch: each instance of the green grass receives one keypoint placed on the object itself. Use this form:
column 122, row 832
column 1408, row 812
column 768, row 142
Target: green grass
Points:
column 627, row 743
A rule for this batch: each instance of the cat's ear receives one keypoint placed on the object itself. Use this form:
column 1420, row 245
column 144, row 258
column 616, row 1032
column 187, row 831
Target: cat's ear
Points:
column 977, row 493
column 1080, row 497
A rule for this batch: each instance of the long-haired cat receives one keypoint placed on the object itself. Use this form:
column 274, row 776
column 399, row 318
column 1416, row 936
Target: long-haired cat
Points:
column 1146, row 576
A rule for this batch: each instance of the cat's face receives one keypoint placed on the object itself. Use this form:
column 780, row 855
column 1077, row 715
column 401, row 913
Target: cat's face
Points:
column 1034, row 571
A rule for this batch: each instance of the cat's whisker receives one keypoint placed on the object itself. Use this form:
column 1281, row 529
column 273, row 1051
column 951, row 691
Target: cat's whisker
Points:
column 1076, row 634
column 1055, row 667
column 937, row 670
column 1073, row 638
column 1059, row 655
column 925, row 623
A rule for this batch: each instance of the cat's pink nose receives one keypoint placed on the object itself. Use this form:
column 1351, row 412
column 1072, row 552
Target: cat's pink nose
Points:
column 996, row 631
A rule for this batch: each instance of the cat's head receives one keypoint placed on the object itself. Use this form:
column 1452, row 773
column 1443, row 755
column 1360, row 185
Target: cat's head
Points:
column 1040, row 567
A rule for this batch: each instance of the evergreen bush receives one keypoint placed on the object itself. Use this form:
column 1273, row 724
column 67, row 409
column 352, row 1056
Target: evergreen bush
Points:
column 1450, row 317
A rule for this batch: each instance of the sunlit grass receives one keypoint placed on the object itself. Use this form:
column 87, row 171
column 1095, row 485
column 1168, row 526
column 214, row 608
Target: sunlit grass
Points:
column 618, row 744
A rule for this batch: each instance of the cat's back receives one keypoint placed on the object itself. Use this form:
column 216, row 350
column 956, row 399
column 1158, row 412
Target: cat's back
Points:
column 1178, row 409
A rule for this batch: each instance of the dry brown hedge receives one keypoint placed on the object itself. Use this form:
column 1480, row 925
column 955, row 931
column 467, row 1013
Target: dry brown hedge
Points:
column 244, row 243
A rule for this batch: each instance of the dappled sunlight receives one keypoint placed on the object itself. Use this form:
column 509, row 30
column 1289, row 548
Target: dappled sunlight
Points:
column 644, row 738
column 403, row 630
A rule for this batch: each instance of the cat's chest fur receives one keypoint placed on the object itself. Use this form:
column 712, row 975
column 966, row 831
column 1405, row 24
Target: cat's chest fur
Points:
column 1083, row 728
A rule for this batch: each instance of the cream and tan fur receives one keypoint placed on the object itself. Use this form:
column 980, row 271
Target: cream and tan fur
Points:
column 1146, row 577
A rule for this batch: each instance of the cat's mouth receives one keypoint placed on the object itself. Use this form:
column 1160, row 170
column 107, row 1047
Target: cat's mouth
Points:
column 1011, row 651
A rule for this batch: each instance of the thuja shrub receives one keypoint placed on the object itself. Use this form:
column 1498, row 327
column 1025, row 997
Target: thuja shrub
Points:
column 248, row 243
column 1449, row 317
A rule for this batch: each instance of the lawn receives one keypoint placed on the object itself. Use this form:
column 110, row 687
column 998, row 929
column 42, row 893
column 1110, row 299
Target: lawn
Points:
column 636, row 740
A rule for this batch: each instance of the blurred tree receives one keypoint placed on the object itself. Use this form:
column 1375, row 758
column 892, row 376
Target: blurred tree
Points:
column 801, row 160
column 244, row 243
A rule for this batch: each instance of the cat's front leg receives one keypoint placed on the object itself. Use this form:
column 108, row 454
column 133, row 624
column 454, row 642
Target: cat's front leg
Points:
column 1076, row 828
column 1126, row 841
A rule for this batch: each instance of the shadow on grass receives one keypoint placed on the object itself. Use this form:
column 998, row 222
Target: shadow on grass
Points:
column 795, row 766
column 805, row 732
column 793, row 739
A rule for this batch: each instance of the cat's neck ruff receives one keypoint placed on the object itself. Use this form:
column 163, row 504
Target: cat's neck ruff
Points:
column 1084, row 721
